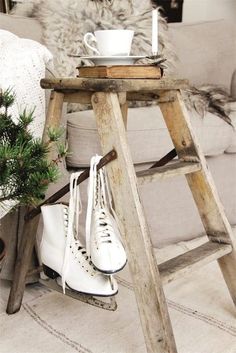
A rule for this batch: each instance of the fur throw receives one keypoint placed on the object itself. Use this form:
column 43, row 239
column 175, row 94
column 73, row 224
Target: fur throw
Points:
column 65, row 22
column 209, row 98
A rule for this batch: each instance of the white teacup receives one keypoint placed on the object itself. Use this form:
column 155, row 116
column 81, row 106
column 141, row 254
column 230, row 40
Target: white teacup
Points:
column 112, row 42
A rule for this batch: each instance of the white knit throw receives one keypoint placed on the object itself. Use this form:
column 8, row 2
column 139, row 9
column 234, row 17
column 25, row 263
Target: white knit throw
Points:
column 22, row 65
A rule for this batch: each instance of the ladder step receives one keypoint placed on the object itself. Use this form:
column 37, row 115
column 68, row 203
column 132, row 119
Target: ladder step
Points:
column 191, row 260
column 171, row 169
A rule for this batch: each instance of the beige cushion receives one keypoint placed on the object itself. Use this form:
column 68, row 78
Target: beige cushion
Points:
column 147, row 134
column 207, row 51
column 21, row 26
column 233, row 85
column 232, row 145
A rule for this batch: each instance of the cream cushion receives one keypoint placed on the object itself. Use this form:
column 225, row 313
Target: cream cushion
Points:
column 21, row 26
column 147, row 134
column 232, row 146
column 206, row 51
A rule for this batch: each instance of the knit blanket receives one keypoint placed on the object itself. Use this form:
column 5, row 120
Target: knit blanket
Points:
column 22, row 65
column 64, row 23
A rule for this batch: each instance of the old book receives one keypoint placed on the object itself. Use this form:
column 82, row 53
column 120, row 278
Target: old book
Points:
column 120, row 71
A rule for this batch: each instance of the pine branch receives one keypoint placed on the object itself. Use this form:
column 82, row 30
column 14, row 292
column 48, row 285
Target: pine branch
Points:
column 25, row 171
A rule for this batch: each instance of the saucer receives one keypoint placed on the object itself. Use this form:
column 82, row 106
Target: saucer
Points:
column 113, row 60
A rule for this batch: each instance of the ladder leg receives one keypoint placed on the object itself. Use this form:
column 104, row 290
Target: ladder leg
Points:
column 22, row 266
column 30, row 228
column 149, row 294
column 202, row 186
column 123, row 108
column 54, row 112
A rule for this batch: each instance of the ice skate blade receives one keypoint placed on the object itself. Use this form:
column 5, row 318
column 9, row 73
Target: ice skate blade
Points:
column 110, row 305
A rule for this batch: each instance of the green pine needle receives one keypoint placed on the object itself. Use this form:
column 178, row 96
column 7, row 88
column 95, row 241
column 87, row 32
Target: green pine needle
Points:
column 7, row 98
column 54, row 134
column 25, row 118
column 25, row 171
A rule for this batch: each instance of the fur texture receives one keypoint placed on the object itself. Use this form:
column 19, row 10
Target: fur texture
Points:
column 209, row 98
column 65, row 22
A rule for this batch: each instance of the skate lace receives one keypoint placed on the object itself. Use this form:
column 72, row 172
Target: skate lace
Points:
column 73, row 245
column 104, row 228
column 99, row 199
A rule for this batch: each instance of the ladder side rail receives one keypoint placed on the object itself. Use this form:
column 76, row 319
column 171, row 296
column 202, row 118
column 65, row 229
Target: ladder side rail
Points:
column 149, row 294
column 202, row 185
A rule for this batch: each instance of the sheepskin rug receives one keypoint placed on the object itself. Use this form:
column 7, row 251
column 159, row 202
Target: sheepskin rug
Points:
column 65, row 22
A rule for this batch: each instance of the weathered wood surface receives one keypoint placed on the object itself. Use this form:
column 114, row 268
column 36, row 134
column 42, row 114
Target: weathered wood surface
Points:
column 34, row 271
column 202, row 186
column 54, row 112
column 22, row 266
column 30, row 228
column 147, row 283
column 112, row 85
column 111, row 114
column 84, row 97
column 192, row 260
column 123, row 107
column 153, row 95
column 170, row 170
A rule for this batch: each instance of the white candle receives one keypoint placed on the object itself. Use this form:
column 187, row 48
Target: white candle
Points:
column 154, row 32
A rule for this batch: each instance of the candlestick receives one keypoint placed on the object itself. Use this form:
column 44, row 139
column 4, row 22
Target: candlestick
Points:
column 154, row 32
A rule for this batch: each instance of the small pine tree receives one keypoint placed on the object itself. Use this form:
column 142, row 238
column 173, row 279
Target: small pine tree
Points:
column 25, row 172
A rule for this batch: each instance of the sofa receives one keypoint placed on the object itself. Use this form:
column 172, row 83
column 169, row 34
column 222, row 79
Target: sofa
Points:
column 207, row 55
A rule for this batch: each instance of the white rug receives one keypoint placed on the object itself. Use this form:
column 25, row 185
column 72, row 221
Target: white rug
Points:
column 201, row 311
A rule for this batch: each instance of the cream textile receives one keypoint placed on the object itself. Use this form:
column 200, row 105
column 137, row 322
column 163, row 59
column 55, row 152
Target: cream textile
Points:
column 22, row 65
column 201, row 310
column 148, row 135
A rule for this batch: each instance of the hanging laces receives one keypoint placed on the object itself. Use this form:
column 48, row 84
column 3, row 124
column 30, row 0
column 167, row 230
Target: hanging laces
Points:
column 106, row 191
column 75, row 209
column 99, row 196
column 91, row 186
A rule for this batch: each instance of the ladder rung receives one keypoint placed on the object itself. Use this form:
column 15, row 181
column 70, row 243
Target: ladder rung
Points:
column 171, row 169
column 191, row 260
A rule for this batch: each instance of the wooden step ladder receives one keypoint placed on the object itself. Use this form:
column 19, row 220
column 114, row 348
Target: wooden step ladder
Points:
column 109, row 101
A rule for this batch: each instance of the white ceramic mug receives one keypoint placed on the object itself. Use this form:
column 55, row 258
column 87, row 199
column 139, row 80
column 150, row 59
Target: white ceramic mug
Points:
column 112, row 42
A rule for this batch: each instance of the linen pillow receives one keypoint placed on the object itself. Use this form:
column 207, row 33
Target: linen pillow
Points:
column 232, row 146
column 206, row 51
column 23, row 27
column 147, row 135
column 233, row 86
